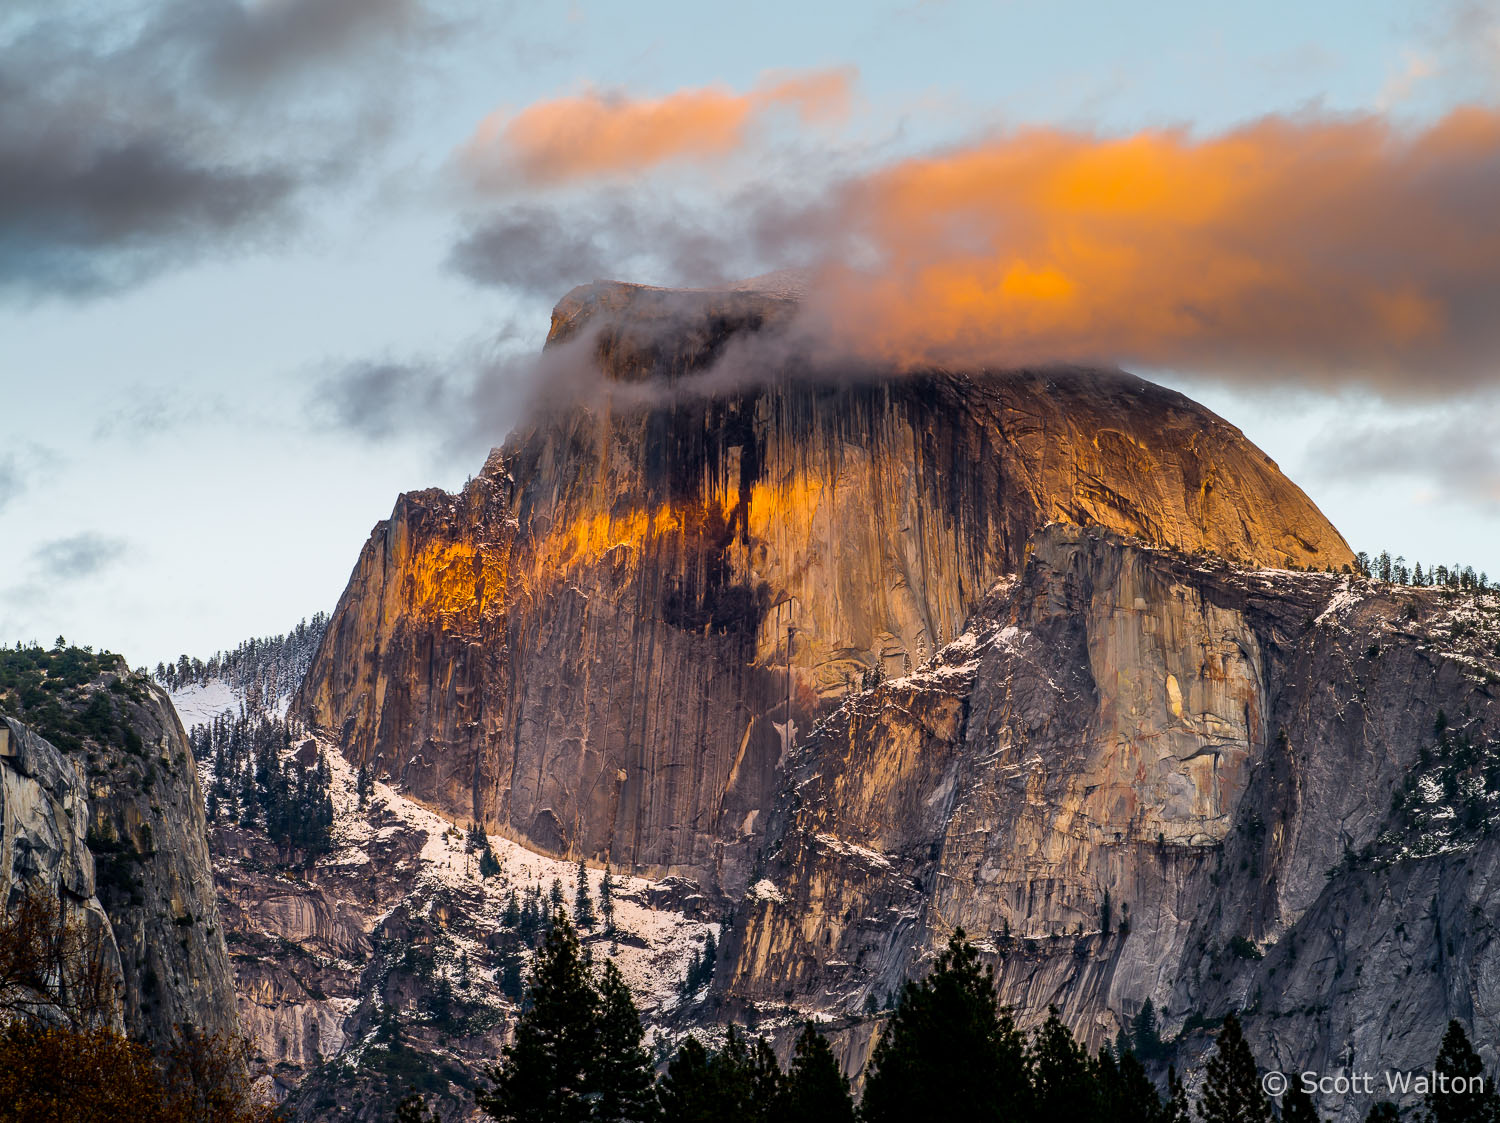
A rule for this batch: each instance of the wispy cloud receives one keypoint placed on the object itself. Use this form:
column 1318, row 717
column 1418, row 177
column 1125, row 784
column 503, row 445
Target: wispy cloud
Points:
column 1454, row 451
column 600, row 133
column 12, row 482
column 77, row 556
column 463, row 401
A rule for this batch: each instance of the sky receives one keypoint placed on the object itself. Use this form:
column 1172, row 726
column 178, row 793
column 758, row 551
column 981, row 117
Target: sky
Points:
column 265, row 264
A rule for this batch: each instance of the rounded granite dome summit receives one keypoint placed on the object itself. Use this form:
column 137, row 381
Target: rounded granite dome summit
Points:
column 673, row 577
column 1093, row 447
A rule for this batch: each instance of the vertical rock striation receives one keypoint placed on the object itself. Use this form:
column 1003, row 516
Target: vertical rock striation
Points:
column 607, row 643
column 1140, row 775
column 115, row 828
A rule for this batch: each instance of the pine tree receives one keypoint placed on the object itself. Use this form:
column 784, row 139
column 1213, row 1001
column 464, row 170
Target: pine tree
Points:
column 710, row 957
column 509, row 973
column 1061, row 1073
column 583, row 904
column 1175, row 1109
column 545, row 1074
column 689, row 1091
column 622, row 1079
column 690, row 978
column 607, row 901
column 949, row 1051
column 1457, row 1062
column 1383, row 1112
column 1125, row 1093
column 733, row 1076
column 767, row 1084
column 1145, row 1033
column 1297, row 1106
column 816, row 1089
column 1231, row 1086
column 489, row 865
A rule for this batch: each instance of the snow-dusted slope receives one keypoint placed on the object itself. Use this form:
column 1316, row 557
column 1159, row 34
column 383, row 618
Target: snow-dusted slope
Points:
column 396, row 925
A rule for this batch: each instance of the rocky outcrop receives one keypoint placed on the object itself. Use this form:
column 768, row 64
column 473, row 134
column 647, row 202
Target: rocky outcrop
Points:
column 43, row 830
column 115, row 825
column 1141, row 775
column 150, row 838
column 607, row 643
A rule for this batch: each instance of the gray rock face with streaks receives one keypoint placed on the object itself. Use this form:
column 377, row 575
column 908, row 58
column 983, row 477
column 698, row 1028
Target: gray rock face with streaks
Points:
column 1139, row 775
column 43, row 832
column 120, row 833
column 604, row 644
column 149, row 834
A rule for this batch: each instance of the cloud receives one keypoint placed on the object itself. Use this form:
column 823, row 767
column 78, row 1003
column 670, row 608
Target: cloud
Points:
column 596, row 133
column 546, row 250
column 1454, row 450
column 135, row 140
column 467, row 400
column 140, row 412
column 78, row 556
column 543, row 250
column 12, row 481
column 1313, row 250
column 248, row 44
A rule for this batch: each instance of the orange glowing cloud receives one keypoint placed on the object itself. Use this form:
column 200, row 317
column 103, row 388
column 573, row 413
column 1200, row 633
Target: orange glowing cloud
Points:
column 597, row 134
column 1289, row 245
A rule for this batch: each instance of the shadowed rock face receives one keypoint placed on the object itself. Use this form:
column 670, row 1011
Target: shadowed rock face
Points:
column 606, row 643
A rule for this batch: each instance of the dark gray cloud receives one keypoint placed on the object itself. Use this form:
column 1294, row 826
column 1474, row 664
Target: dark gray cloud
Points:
column 1454, row 451
column 136, row 138
column 77, row 556
column 379, row 398
column 543, row 250
column 465, row 402
column 246, row 45
column 534, row 248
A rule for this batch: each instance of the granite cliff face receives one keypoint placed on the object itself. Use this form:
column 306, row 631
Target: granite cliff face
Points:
column 1054, row 656
column 43, row 829
column 609, row 641
column 1141, row 775
column 114, row 825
